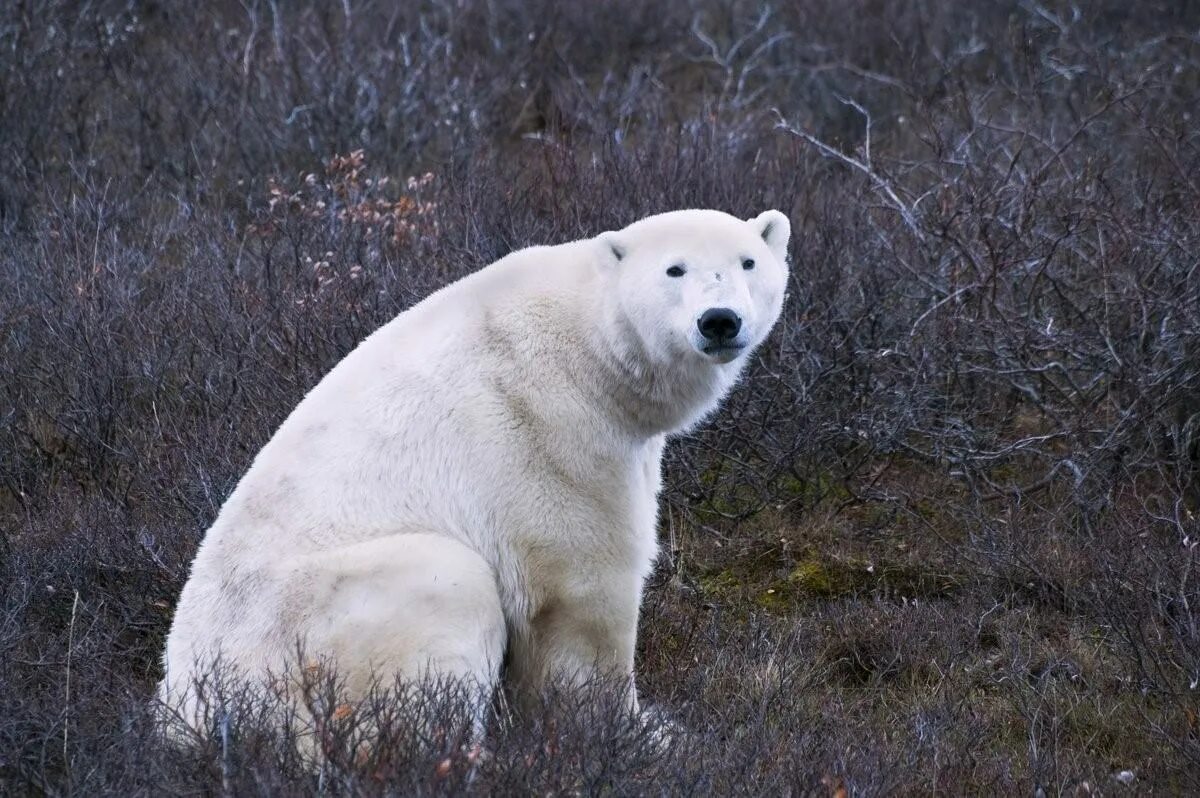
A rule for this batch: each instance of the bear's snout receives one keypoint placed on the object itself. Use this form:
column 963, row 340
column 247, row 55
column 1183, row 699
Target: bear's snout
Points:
column 719, row 325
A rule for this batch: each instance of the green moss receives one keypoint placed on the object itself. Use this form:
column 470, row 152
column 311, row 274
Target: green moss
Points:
column 719, row 584
column 817, row 578
column 764, row 582
column 773, row 600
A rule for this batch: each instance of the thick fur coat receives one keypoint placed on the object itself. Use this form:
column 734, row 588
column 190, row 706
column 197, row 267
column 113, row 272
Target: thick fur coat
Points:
column 480, row 476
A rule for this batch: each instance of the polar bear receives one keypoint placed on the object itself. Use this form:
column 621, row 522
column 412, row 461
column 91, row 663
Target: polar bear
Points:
column 476, row 483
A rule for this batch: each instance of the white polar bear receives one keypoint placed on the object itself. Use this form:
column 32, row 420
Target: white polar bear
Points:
column 480, row 475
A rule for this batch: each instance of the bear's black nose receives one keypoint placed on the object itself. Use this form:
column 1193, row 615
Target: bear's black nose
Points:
column 719, row 324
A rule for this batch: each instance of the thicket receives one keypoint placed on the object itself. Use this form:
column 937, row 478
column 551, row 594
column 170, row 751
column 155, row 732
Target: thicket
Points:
column 942, row 539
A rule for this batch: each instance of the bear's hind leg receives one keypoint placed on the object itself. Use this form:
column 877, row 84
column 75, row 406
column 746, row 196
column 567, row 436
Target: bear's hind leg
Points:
column 418, row 605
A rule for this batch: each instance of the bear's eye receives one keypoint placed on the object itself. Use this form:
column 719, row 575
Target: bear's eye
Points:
column 748, row 264
column 675, row 271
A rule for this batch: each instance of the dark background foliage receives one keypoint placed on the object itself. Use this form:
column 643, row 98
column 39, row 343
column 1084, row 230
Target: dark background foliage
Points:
column 942, row 539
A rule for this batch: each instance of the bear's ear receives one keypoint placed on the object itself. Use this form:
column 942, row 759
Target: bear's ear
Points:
column 776, row 230
column 612, row 250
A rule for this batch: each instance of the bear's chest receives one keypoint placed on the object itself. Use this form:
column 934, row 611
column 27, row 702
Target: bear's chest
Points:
column 569, row 532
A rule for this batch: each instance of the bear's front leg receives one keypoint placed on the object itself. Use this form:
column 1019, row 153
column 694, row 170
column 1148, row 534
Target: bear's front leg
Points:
column 578, row 639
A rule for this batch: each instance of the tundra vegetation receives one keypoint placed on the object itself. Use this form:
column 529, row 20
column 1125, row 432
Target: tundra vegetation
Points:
column 942, row 539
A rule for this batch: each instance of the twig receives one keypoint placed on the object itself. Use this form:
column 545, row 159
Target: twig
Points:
column 872, row 175
column 67, row 701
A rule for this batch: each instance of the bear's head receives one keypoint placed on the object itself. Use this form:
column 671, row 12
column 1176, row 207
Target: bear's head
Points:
column 698, row 287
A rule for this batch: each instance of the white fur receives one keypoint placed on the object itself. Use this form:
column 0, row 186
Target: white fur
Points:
column 481, row 473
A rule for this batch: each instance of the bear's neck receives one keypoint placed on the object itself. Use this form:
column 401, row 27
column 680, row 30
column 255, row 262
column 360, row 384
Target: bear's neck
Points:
column 560, row 338
column 645, row 397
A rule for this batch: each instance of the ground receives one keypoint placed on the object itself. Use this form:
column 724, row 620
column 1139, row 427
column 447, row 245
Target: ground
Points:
column 942, row 539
